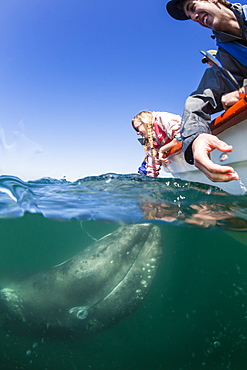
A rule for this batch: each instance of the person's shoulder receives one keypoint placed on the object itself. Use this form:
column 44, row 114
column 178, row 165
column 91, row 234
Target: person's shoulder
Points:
column 240, row 11
column 168, row 117
column 237, row 6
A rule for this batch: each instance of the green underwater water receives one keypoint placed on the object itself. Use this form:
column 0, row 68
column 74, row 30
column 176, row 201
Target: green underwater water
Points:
column 194, row 316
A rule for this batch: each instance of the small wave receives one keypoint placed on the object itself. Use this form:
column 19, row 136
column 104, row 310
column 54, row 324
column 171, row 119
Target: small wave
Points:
column 121, row 198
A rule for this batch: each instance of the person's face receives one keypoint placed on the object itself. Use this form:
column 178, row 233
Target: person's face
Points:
column 209, row 14
column 140, row 128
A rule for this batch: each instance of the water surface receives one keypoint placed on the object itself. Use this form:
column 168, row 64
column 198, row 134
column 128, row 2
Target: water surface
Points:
column 195, row 314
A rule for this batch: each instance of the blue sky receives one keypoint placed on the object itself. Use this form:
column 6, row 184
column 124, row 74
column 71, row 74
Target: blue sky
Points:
column 74, row 73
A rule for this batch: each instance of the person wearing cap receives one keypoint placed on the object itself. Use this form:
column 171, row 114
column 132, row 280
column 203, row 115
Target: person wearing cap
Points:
column 206, row 60
column 229, row 25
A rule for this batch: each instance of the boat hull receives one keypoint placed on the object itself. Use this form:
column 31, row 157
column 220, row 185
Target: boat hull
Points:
column 234, row 132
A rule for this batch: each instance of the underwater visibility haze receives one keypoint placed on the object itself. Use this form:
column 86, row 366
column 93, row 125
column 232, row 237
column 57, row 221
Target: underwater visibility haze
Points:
column 122, row 272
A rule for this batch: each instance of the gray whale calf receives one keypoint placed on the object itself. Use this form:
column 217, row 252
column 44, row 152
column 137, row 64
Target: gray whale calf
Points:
column 91, row 291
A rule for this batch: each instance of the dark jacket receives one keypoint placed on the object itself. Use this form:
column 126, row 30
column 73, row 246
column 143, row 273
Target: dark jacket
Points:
column 206, row 100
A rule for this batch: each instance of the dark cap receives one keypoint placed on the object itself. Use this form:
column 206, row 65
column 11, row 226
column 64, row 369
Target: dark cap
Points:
column 174, row 8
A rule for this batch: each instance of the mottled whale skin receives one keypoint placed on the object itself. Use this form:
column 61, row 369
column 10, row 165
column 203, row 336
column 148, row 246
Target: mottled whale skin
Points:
column 91, row 291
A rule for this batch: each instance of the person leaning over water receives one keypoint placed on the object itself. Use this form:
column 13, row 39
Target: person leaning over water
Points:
column 161, row 133
column 229, row 24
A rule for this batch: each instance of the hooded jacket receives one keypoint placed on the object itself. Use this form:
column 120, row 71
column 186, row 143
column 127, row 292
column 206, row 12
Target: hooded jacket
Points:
column 206, row 100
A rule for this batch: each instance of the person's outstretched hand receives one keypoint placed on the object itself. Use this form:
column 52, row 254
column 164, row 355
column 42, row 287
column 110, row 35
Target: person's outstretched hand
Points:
column 201, row 147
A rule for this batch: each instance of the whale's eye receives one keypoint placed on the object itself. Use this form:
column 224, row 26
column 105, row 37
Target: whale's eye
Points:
column 82, row 313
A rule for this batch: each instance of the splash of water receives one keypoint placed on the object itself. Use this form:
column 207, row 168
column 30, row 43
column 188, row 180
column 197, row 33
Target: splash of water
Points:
column 242, row 186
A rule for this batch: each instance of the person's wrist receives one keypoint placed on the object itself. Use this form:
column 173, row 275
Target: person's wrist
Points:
column 163, row 150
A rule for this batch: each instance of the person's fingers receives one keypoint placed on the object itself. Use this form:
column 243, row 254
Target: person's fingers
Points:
column 221, row 145
column 217, row 173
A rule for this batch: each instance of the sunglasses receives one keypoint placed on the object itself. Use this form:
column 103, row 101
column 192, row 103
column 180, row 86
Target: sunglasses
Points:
column 136, row 128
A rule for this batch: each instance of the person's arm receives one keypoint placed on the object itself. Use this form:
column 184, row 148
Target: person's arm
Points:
column 196, row 122
column 165, row 148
